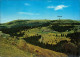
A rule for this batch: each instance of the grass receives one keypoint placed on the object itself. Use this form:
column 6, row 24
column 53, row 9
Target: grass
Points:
column 44, row 52
column 8, row 50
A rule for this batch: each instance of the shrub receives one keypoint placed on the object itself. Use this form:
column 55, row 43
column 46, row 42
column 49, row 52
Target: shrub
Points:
column 70, row 48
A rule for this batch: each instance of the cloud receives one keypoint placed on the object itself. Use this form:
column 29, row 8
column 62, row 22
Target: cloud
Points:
column 27, row 4
column 59, row 7
column 28, row 13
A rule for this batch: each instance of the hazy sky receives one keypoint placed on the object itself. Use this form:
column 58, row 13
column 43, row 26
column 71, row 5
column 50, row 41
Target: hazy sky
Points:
column 39, row 9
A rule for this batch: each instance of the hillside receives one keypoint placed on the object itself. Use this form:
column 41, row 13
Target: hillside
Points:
column 26, row 24
column 36, row 22
column 40, row 38
column 8, row 49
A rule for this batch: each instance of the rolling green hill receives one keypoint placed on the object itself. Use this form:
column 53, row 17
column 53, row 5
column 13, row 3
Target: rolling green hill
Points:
column 40, row 38
column 37, row 22
column 11, row 47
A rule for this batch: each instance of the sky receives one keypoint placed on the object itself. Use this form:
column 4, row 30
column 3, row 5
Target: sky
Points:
column 39, row 9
